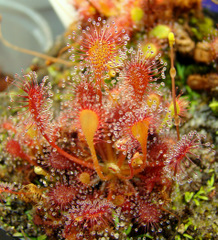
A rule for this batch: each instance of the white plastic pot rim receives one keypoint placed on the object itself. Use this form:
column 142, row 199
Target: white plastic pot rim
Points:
column 65, row 11
column 35, row 17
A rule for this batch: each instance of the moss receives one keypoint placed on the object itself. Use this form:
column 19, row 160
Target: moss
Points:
column 202, row 28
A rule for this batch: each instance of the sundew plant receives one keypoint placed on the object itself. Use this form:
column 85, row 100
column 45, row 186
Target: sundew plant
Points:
column 103, row 166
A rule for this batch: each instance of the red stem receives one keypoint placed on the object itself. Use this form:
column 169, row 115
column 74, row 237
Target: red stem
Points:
column 67, row 155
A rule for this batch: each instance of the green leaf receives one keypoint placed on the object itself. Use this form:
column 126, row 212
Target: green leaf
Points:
column 29, row 214
column 128, row 230
column 187, row 225
column 203, row 197
column 42, row 237
column 116, row 219
column 210, row 182
column 196, row 202
column 177, row 237
column 8, row 201
column 18, row 234
column 188, row 196
column 214, row 106
column 188, row 236
column 201, row 191
column 192, row 94
column 148, row 236
column 210, row 189
column 181, row 71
